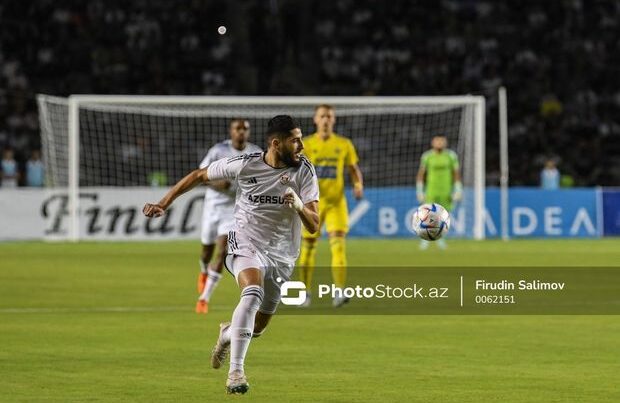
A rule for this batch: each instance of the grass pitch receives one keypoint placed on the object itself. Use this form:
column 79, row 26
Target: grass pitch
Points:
column 115, row 322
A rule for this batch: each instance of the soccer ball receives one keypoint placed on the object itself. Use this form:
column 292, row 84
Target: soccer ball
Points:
column 431, row 221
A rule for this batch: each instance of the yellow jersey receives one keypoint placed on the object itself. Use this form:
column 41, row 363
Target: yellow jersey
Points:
column 330, row 157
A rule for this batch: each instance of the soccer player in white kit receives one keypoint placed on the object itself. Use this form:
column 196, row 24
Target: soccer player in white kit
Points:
column 277, row 193
column 217, row 211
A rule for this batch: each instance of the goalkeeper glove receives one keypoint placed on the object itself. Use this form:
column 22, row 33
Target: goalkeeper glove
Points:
column 457, row 195
column 297, row 204
column 419, row 191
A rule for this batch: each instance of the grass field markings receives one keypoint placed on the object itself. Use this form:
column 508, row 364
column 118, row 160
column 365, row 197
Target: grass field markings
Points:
column 112, row 309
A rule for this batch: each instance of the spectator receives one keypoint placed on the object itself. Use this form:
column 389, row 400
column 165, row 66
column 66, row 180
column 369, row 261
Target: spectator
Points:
column 9, row 169
column 558, row 59
column 550, row 176
column 35, row 171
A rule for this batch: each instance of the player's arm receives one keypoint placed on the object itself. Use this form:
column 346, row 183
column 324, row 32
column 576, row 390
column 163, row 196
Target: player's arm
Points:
column 309, row 212
column 351, row 160
column 190, row 181
column 223, row 169
column 310, row 216
column 357, row 180
column 419, row 183
column 307, row 202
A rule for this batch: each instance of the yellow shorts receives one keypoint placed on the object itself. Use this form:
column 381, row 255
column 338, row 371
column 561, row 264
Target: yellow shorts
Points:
column 335, row 216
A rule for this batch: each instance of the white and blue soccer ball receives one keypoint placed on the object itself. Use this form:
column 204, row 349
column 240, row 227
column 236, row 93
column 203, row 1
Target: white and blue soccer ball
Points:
column 431, row 221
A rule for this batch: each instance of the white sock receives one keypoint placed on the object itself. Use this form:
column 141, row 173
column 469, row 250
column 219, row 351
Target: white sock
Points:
column 203, row 267
column 226, row 335
column 242, row 325
column 213, row 278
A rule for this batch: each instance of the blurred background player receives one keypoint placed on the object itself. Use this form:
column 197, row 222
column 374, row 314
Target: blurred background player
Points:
column 330, row 153
column 217, row 212
column 9, row 173
column 443, row 184
column 550, row 176
column 35, row 170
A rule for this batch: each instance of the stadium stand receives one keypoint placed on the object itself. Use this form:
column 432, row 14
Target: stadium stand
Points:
column 559, row 60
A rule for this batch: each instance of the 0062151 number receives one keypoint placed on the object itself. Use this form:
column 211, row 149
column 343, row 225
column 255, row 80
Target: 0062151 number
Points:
column 494, row 299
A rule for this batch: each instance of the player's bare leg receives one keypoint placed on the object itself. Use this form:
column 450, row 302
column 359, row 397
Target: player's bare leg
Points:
column 260, row 323
column 339, row 264
column 238, row 334
column 307, row 262
column 205, row 265
column 222, row 251
column 205, row 258
column 214, row 274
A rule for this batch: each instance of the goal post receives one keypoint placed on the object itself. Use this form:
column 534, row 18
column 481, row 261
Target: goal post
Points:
column 74, row 168
column 117, row 140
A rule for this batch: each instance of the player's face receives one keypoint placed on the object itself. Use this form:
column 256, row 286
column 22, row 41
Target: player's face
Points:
column 240, row 131
column 290, row 149
column 324, row 119
column 439, row 143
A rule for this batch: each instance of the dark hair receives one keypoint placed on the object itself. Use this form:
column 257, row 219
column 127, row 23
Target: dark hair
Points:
column 281, row 126
column 235, row 120
column 326, row 106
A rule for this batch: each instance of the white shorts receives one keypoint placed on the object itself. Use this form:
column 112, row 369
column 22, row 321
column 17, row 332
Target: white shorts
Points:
column 216, row 222
column 243, row 255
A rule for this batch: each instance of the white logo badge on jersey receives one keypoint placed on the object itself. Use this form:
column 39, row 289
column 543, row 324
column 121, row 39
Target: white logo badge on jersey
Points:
column 284, row 179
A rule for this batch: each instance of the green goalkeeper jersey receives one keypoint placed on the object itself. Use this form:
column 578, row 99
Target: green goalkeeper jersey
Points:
column 439, row 167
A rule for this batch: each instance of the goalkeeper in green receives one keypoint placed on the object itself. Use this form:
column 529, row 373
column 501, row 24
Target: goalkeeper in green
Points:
column 440, row 167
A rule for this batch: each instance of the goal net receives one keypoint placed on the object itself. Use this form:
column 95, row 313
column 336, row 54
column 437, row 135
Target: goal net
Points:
column 127, row 142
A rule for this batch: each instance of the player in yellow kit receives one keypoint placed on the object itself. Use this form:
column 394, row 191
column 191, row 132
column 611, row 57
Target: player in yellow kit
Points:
column 331, row 154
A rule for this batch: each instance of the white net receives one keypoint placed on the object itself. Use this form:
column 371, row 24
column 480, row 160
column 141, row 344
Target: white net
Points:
column 156, row 143
column 53, row 117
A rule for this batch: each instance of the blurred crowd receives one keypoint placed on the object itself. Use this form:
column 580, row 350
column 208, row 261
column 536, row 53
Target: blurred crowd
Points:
column 560, row 62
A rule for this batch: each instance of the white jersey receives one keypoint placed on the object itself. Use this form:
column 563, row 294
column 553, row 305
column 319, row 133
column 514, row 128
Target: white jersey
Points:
column 226, row 198
column 260, row 213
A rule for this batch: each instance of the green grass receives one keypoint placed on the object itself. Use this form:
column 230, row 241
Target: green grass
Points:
column 114, row 322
